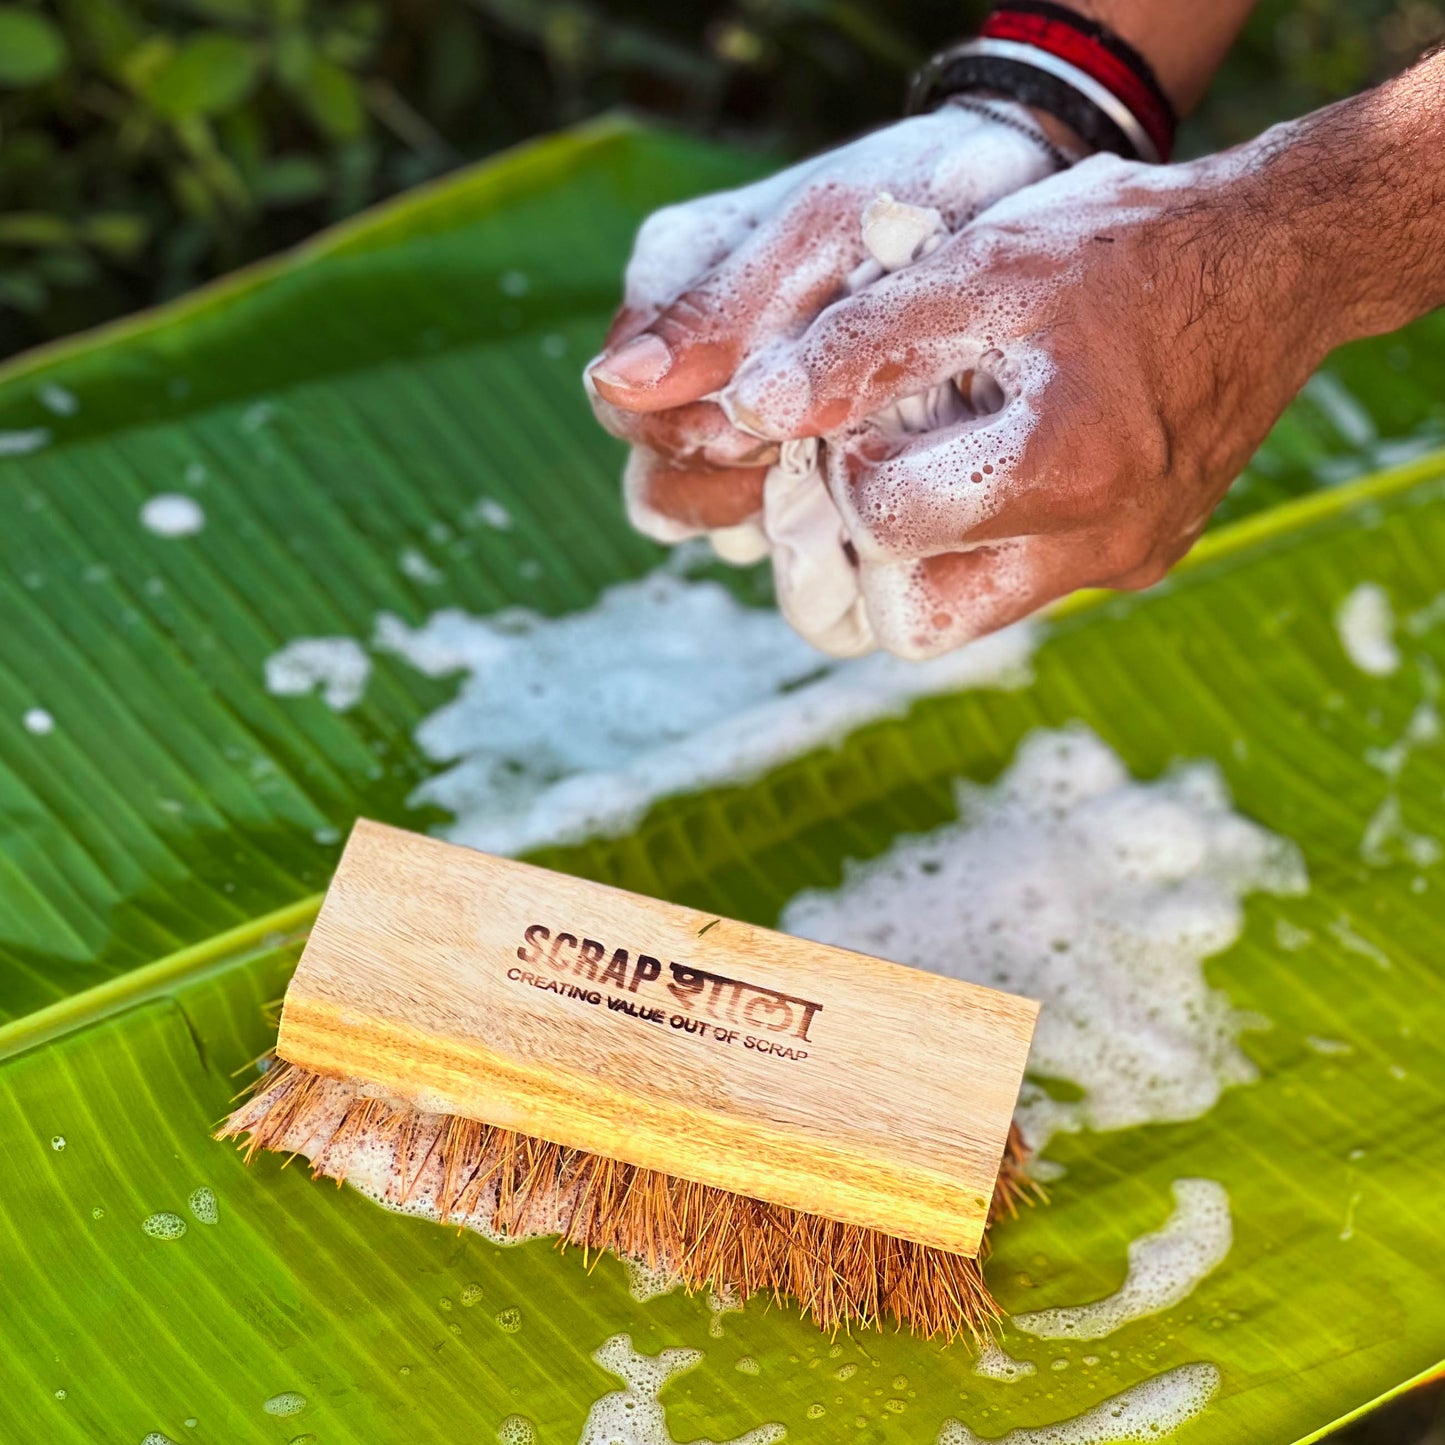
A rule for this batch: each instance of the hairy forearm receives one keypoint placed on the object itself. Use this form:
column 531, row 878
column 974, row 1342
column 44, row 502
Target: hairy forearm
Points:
column 1356, row 193
column 1184, row 40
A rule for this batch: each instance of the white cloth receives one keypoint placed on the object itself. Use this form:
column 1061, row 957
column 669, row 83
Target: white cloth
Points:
column 815, row 574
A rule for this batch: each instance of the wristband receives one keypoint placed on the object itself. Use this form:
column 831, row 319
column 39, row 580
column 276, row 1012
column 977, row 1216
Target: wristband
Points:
column 1045, row 55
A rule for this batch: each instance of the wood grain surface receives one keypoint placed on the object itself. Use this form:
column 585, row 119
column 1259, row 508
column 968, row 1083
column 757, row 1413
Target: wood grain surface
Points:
column 809, row 1076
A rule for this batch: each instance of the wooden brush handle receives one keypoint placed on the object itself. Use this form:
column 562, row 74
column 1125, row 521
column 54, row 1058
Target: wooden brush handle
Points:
column 807, row 1076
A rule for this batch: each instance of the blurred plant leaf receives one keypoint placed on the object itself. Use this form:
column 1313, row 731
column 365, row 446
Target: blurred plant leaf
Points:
column 34, row 228
column 333, row 100
column 119, row 233
column 32, row 48
column 289, row 180
column 203, row 76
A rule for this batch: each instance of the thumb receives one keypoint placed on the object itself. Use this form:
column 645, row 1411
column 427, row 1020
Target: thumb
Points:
column 771, row 284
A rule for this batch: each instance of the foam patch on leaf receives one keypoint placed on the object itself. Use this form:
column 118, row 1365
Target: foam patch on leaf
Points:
column 634, row 1415
column 570, row 727
column 1071, row 883
column 1164, row 1268
column 1150, row 1411
column 337, row 666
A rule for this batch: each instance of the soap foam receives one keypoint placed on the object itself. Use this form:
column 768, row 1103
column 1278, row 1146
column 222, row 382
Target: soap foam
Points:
column 634, row 1415
column 1147, row 1412
column 58, row 400
column 491, row 513
column 203, row 1205
column 172, row 514
column 415, row 564
column 994, row 1363
column 1164, row 1268
column 22, row 443
column 1071, row 883
column 339, row 666
column 645, row 1283
column 1365, row 622
column 681, row 688
column 516, row 1430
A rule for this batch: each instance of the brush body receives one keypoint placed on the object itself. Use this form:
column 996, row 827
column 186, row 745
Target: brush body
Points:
column 503, row 1047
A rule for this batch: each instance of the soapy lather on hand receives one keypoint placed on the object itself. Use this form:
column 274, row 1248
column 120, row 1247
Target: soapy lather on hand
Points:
column 943, row 384
column 711, row 281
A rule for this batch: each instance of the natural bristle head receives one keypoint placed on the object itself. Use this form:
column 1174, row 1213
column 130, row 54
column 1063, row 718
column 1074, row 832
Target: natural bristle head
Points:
column 511, row 1185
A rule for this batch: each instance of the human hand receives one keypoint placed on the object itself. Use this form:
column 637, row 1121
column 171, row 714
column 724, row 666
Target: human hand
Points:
column 1104, row 351
column 713, row 279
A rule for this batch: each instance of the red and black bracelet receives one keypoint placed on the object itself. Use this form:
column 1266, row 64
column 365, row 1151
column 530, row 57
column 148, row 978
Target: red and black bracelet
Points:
column 1049, row 56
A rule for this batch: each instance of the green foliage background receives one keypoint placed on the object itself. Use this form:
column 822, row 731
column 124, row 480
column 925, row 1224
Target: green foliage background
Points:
column 146, row 145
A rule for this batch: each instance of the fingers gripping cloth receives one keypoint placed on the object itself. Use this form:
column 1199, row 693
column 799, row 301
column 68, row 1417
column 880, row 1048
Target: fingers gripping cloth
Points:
column 815, row 572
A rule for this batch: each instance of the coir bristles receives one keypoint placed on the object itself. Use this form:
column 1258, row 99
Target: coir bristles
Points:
column 511, row 1186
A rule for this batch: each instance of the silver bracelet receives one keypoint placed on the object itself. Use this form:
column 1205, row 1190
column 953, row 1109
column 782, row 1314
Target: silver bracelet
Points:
column 993, row 110
column 1077, row 80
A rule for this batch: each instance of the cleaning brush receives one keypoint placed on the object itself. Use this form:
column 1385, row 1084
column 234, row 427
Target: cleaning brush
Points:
column 496, row 1046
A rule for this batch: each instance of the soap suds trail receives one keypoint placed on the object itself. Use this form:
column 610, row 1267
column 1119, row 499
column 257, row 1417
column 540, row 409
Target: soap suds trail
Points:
column 338, row 666
column 994, row 1363
column 1100, row 896
column 571, row 727
column 1365, row 622
column 645, row 1283
column 1147, row 1412
column 634, row 1415
column 22, row 443
column 1164, row 1268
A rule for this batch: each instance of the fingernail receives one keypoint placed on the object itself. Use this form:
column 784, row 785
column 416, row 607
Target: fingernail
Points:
column 643, row 361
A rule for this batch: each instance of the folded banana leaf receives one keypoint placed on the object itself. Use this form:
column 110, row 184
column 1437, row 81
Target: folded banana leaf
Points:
column 387, row 424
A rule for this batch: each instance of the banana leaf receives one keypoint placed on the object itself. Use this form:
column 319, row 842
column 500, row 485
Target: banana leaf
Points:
column 166, row 822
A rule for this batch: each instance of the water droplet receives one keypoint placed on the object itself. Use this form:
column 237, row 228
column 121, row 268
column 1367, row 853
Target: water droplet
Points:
column 61, row 1394
column 203, row 1205
column 58, row 1143
column 455, row 1329
column 510, row 1320
column 288, row 1402
column 405, row 1370
column 900, row 1382
column 845, row 1372
column 190, row 1422
column 164, row 1225
column 516, row 1430
column 816, row 1411
column 471, row 1294
column 97, row 1213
